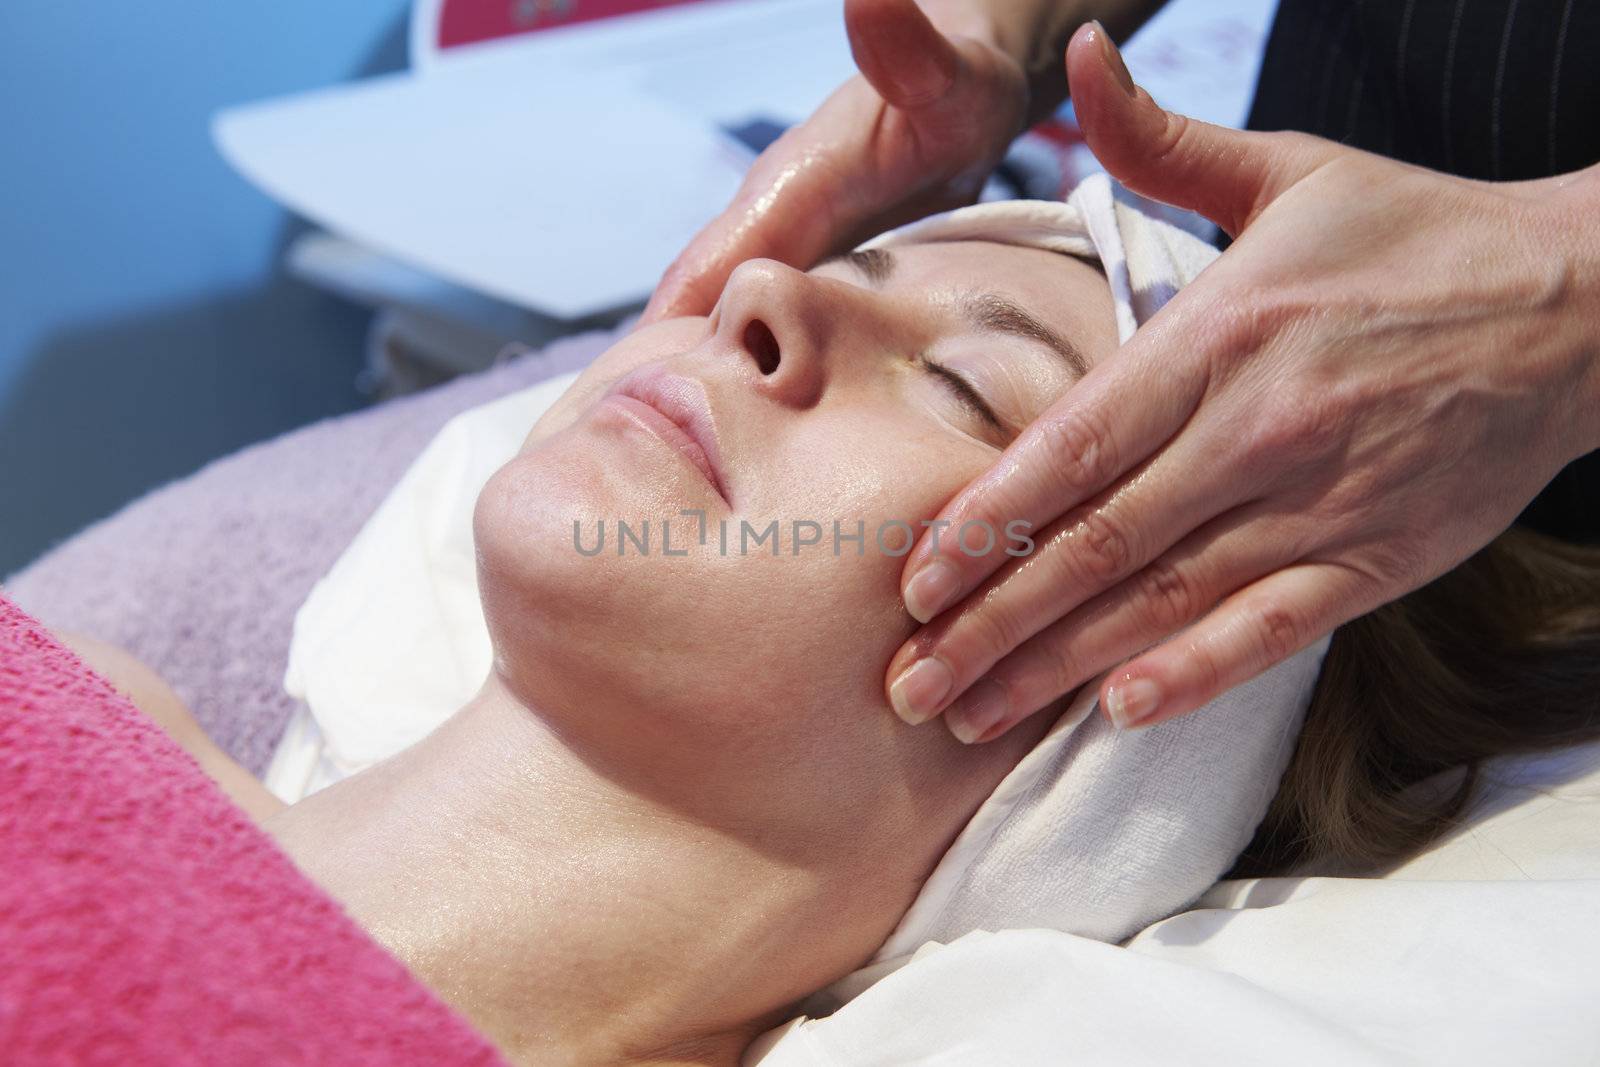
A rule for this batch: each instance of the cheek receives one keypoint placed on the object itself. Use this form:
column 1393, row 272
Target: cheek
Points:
column 733, row 632
column 576, row 630
column 839, row 599
column 888, row 474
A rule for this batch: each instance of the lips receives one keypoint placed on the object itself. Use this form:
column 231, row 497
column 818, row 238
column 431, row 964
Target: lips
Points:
column 675, row 408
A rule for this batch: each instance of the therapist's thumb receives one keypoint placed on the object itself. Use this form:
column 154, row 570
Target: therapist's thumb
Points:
column 1229, row 176
column 900, row 53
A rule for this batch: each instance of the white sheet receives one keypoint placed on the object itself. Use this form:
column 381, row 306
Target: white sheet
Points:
column 1484, row 950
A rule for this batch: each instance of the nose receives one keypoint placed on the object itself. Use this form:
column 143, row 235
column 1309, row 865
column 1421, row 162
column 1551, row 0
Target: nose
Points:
column 784, row 323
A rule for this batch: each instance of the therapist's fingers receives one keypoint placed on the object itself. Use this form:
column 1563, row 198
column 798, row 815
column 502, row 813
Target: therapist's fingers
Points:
column 1227, row 175
column 900, row 53
column 1105, row 426
column 1090, row 550
column 917, row 133
column 1256, row 628
column 783, row 211
column 1226, row 554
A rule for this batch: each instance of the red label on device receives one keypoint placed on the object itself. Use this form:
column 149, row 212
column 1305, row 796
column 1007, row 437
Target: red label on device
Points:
column 473, row 21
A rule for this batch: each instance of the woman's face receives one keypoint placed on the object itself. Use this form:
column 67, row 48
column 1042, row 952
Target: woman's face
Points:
column 852, row 398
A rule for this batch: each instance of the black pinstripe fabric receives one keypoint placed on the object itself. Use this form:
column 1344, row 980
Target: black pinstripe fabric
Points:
column 1494, row 89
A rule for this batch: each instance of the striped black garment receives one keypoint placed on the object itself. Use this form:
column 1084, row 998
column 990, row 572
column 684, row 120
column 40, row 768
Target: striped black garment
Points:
column 1492, row 89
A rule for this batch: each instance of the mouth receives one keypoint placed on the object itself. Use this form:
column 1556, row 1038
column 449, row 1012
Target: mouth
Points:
column 675, row 409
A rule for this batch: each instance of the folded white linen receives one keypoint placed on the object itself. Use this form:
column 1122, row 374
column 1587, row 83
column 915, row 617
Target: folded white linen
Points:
column 391, row 640
column 1483, row 950
column 1096, row 832
column 1146, row 261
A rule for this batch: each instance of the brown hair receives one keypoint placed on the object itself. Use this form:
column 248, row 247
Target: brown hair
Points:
column 1499, row 656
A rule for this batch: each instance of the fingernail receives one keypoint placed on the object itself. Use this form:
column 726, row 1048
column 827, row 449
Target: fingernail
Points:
column 1114, row 58
column 983, row 708
column 932, row 589
column 920, row 690
column 1132, row 703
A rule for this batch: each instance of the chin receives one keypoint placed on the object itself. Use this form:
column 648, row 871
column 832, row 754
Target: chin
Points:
column 726, row 641
column 586, row 631
column 523, row 530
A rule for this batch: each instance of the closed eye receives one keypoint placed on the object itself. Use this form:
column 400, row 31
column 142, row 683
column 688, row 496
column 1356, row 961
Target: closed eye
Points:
column 964, row 391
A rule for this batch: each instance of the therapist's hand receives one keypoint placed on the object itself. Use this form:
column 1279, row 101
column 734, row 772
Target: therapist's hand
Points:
column 1367, row 387
column 918, row 132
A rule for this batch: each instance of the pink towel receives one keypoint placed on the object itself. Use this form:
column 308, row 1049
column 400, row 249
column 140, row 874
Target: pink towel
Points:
column 145, row 920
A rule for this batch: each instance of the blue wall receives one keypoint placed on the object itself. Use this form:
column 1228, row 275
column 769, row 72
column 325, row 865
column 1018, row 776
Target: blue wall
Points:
column 145, row 326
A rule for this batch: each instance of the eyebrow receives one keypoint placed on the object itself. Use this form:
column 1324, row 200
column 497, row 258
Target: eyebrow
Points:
column 986, row 311
column 874, row 264
column 990, row 311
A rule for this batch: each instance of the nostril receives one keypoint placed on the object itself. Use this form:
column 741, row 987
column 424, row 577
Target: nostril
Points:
column 760, row 343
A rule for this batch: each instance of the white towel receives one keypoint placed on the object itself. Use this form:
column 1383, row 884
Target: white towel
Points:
column 1095, row 832
column 1146, row 261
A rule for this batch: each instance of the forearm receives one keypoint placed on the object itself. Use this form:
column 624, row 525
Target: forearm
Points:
column 1035, row 34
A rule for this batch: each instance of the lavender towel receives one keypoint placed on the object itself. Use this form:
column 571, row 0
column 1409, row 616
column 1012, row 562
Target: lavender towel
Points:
column 201, row 578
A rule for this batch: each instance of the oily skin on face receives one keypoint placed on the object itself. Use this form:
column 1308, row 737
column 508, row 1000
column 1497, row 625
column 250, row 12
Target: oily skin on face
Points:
column 680, row 802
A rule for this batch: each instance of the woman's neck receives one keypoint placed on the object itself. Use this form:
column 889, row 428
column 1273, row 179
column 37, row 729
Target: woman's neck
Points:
column 569, row 919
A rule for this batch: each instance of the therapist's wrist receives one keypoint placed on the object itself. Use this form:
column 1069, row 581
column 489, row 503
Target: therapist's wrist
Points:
column 1580, row 207
column 968, row 18
column 1037, row 31
column 1034, row 34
